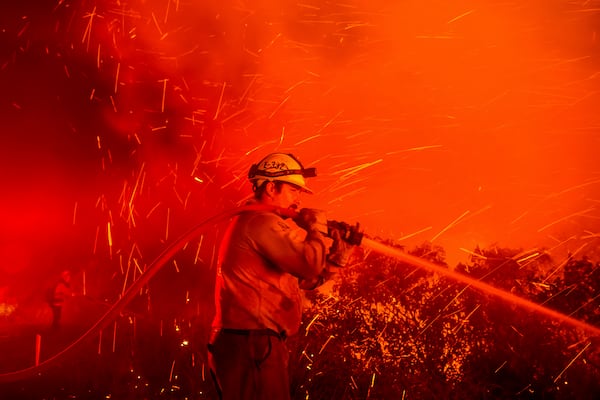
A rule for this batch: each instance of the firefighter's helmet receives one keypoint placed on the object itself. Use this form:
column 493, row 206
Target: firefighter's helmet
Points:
column 281, row 167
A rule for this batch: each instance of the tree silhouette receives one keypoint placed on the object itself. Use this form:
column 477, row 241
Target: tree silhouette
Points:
column 390, row 330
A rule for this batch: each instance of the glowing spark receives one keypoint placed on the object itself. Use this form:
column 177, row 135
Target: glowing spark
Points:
column 473, row 254
column 137, row 266
column 500, row 367
column 590, row 235
column 450, row 225
column 519, row 217
column 465, row 320
column 116, row 76
column 356, row 25
column 340, row 185
column 114, row 345
column 278, row 107
column 454, row 298
column 153, row 209
column 414, row 234
column 307, row 139
column 590, row 301
column 171, row 373
column 560, row 243
column 162, row 106
column 243, row 96
column 96, row 240
column 98, row 57
column 88, row 30
column 112, row 101
column 330, row 121
column 109, row 233
column 519, row 261
column 38, row 346
column 160, row 32
column 349, row 194
column 167, row 224
column 572, row 361
column 235, row 114
column 445, row 37
column 75, row 213
column 326, row 342
column 565, row 262
column 310, row 6
column 58, row 5
column 460, row 16
column 311, row 322
column 307, row 357
column 421, row 148
column 167, row 12
column 196, row 258
column 354, row 170
column 429, row 325
column 580, row 213
column 219, row 104
column 296, row 85
column 575, row 187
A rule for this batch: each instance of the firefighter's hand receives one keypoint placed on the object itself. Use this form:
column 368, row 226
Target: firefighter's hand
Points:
column 311, row 219
column 340, row 251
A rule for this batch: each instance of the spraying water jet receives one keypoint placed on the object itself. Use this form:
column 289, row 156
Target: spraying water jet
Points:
column 354, row 236
column 477, row 284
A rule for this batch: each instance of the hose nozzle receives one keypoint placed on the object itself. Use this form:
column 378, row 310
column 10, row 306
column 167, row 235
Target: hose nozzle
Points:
column 351, row 234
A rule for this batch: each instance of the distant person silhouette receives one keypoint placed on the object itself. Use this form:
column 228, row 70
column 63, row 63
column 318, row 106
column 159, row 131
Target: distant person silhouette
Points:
column 59, row 292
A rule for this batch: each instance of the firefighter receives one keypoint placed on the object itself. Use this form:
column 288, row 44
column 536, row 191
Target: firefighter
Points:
column 59, row 293
column 264, row 261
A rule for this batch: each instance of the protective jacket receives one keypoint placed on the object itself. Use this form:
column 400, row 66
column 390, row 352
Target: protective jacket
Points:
column 261, row 260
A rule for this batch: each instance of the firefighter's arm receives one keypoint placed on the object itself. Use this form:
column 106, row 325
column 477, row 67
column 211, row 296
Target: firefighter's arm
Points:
column 337, row 257
column 298, row 252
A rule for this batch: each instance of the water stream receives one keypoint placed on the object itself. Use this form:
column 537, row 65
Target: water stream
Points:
column 477, row 284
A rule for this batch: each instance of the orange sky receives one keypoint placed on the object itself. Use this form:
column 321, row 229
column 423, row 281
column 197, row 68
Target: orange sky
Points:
column 457, row 122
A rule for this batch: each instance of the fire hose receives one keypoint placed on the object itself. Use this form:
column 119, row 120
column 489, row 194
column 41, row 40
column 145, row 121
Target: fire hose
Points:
column 348, row 232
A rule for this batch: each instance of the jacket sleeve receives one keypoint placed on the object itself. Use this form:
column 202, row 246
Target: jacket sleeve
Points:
column 290, row 248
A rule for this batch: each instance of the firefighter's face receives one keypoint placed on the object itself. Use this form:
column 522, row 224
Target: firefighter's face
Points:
column 287, row 197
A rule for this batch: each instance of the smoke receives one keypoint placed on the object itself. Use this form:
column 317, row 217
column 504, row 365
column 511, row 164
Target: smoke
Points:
column 460, row 123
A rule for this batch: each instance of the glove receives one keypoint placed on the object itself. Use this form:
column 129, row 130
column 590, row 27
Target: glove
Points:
column 311, row 219
column 340, row 251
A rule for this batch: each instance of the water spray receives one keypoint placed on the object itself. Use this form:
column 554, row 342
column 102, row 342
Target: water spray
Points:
column 352, row 234
column 477, row 284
